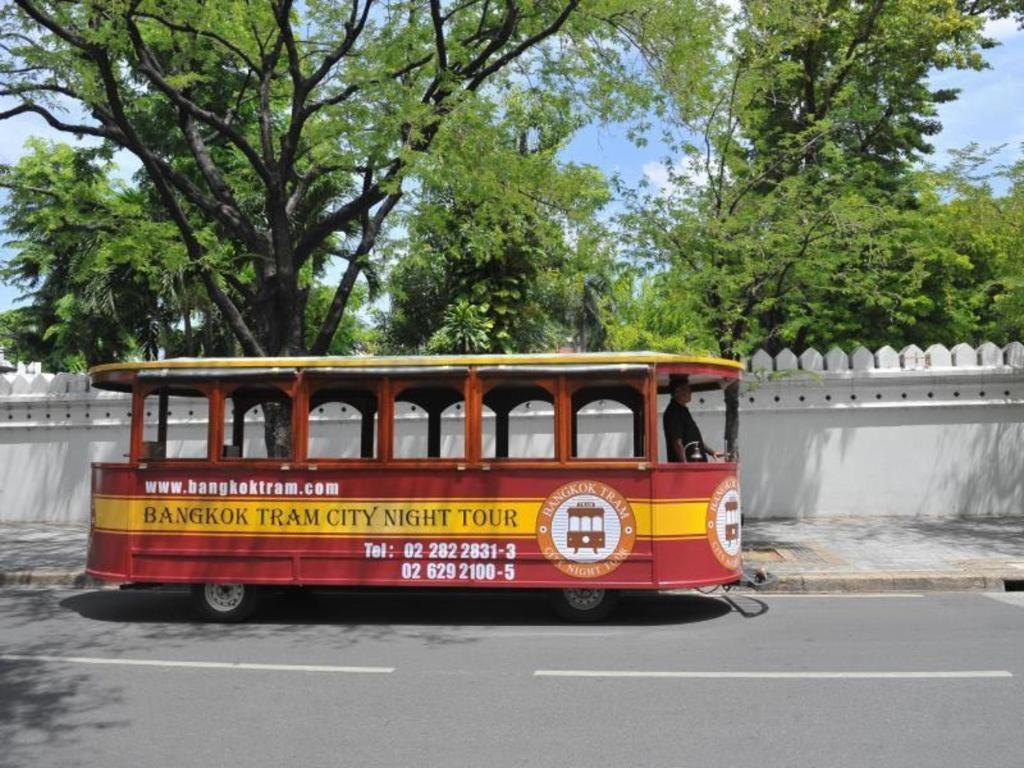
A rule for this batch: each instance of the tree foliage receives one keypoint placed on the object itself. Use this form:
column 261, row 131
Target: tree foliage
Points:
column 795, row 215
column 500, row 227
column 274, row 136
column 104, row 279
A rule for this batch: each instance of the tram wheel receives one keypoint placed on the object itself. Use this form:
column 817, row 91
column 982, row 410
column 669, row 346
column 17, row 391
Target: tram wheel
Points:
column 224, row 602
column 584, row 604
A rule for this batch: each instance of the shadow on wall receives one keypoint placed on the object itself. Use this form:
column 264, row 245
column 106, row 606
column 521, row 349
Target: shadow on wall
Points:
column 925, row 462
column 990, row 482
column 44, row 474
column 780, row 466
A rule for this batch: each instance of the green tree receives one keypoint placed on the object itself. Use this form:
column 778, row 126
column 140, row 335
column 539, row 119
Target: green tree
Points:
column 791, row 216
column 86, row 252
column 494, row 227
column 104, row 274
column 979, row 233
column 275, row 137
column 465, row 329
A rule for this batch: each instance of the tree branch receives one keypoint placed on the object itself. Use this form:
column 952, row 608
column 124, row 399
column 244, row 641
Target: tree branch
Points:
column 194, row 248
column 229, row 211
column 78, row 130
column 520, row 49
column 371, row 228
column 353, row 28
column 439, row 44
column 189, row 29
column 149, row 67
column 62, row 32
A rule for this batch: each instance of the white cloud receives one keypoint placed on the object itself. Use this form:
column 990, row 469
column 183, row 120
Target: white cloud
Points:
column 1002, row 30
column 657, row 174
column 671, row 179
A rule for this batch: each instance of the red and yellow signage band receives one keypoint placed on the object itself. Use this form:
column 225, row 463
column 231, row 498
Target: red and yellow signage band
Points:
column 458, row 517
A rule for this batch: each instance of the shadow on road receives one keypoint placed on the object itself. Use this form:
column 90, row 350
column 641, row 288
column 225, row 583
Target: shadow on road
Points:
column 45, row 707
column 386, row 607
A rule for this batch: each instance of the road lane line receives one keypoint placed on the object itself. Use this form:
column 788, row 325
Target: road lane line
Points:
column 858, row 596
column 198, row 664
column 939, row 675
column 574, row 635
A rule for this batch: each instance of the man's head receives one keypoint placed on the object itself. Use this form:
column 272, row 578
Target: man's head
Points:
column 680, row 390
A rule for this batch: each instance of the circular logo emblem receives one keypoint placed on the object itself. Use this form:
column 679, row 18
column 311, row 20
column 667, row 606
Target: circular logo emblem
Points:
column 586, row 529
column 723, row 523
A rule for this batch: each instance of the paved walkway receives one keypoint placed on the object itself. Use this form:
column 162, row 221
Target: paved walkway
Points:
column 836, row 554
column 888, row 553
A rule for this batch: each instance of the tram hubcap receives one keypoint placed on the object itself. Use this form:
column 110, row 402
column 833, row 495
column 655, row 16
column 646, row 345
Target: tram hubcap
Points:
column 584, row 599
column 224, row 597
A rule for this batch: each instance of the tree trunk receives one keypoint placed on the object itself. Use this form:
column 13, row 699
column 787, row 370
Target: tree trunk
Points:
column 190, row 347
column 277, row 429
column 281, row 335
column 732, row 420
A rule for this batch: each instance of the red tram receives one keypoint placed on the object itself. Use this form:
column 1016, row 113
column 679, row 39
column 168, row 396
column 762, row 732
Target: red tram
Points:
column 526, row 471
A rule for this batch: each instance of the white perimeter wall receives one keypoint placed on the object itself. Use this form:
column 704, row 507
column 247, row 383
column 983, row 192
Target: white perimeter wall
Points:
column 936, row 435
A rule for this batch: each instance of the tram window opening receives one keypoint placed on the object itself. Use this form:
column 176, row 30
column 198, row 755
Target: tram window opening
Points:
column 430, row 422
column 175, row 424
column 709, row 419
column 518, row 423
column 342, row 424
column 257, row 423
column 608, row 423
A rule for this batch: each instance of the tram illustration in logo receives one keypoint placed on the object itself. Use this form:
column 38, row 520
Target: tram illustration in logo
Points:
column 586, row 529
column 723, row 523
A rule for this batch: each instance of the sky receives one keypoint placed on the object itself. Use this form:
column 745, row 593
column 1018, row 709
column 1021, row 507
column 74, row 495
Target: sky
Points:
column 988, row 112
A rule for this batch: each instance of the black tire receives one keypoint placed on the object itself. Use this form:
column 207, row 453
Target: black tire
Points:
column 224, row 602
column 584, row 605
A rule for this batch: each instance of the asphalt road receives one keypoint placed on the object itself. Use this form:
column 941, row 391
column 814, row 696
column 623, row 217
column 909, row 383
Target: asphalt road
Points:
column 491, row 679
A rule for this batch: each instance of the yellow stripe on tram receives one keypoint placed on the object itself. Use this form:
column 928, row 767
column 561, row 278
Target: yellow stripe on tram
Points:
column 367, row 517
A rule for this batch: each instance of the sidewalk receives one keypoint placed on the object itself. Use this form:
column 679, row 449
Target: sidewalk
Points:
column 824, row 555
column 880, row 554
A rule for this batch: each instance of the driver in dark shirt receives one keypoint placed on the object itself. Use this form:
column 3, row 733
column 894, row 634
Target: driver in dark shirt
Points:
column 681, row 432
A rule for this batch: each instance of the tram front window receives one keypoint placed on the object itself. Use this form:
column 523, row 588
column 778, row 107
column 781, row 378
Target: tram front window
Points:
column 703, row 422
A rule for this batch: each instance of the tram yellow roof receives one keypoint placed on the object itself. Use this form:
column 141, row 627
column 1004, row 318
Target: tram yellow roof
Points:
column 119, row 376
column 417, row 361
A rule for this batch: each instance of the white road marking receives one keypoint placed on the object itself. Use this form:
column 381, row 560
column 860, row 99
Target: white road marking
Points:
column 556, row 633
column 198, row 664
column 855, row 596
column 984, row 673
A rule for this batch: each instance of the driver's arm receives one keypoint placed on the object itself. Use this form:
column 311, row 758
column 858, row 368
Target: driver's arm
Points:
column 677, row 445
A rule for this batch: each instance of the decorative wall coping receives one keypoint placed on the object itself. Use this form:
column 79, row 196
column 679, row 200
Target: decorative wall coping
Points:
column 861, row 360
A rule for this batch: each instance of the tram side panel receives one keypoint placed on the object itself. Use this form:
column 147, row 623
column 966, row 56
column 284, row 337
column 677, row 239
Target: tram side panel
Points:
column 502, row 528
column 696, row 524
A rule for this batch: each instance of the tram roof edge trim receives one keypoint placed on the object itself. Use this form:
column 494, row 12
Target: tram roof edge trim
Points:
column 288, row 364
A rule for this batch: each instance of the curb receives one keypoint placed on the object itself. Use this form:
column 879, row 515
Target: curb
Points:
column 49, row 577
column 887, row 582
